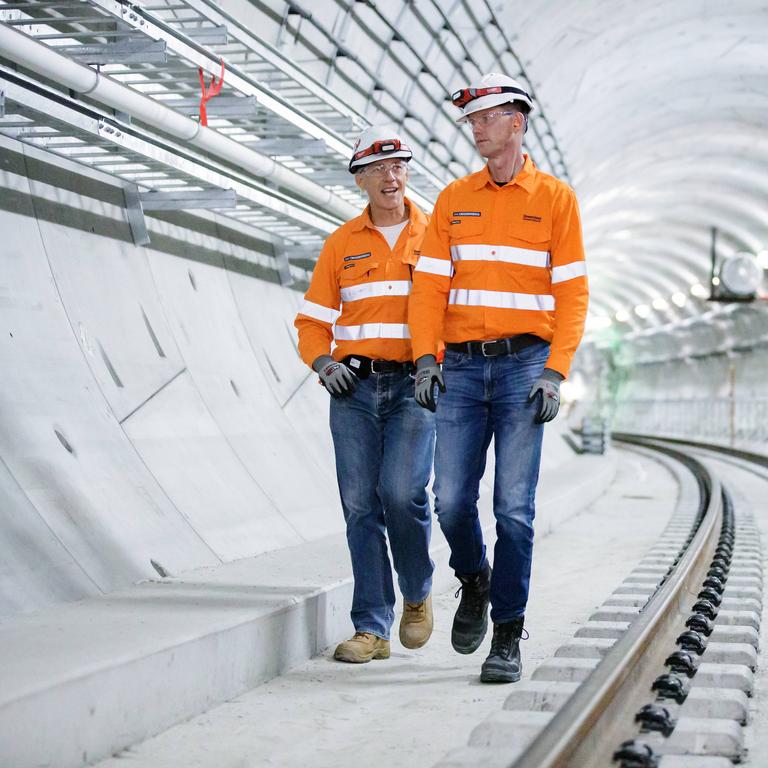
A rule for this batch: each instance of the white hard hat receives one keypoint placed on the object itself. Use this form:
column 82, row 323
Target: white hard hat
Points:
column 490, row 91
column 379, row 142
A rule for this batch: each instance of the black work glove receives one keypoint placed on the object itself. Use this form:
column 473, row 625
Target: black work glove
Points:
column 428, row 374
column 548, row 384
column 336, row 377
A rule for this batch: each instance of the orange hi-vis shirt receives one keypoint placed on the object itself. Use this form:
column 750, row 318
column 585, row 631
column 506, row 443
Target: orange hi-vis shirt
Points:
column 358, row 296
column 501, row 261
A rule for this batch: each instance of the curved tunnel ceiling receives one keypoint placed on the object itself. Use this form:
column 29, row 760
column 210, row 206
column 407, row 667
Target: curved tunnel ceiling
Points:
column 655, row 113
column 660, row 109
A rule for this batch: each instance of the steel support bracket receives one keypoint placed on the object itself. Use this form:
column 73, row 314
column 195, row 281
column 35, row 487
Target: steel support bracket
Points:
column 135, row 214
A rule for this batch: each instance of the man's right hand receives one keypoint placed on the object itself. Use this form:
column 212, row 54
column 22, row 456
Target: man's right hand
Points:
column 335, row 376
column 428, row 374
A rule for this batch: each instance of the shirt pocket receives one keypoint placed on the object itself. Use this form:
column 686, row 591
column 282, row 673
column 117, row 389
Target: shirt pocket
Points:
column 466, row 223
column 537, row 234
column 355, row 272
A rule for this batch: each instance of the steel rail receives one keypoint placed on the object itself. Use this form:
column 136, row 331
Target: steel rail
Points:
column 600, row 714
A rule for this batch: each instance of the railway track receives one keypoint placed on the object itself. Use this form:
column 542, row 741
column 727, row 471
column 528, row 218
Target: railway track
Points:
column 660, row 675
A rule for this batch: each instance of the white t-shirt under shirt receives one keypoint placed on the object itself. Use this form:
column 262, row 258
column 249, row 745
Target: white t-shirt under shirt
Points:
column 392, row 233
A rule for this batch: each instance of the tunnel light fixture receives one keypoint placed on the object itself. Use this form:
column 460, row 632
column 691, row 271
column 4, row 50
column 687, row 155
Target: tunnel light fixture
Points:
column 660, row 303
column 622, row 316
column 598, row 322
column 762, row 258
column 679, row 299
column 741, row 274
column 642, row 310
column 715, row 280
column 697, row 289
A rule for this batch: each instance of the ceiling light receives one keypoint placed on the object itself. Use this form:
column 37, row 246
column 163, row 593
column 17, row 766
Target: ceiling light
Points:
column 622, row 316
column 598, row 322
column 679, row 298
column 762, row 259
column 741, row 274
column 642, row 310
column 660, row 304
column 697, row 289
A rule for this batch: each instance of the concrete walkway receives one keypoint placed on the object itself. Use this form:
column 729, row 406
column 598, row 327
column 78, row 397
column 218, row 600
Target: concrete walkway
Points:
column 409, row 711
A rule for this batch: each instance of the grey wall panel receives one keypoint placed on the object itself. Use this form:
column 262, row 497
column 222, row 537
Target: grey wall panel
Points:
column 224, row 364
column 267, row 311
column 293, row 436
column 183, row 446
column 60, row 440
column 109, row 294
column 35, row 568
column 226, row 374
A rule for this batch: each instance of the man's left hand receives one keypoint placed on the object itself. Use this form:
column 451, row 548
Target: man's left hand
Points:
column 548, row 384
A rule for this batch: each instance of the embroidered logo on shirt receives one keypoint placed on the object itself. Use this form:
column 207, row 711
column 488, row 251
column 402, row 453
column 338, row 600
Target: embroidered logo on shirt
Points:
column 455, row 221
column 537, row 219
column 467, row 213
column 347, row 266
column 357, row 256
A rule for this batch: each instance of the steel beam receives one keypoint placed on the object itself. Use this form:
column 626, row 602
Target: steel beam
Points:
column 207, row 199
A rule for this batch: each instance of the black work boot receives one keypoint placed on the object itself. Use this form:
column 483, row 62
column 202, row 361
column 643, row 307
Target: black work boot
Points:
column 471, row 620
column 503, row 664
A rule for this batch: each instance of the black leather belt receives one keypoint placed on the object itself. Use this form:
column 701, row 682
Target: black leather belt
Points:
column 364, row 366
column 495, row 347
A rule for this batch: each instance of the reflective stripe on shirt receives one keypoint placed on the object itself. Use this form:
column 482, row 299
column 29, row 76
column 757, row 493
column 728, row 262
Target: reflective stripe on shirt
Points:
column 501, row 299
column 506, row 253
column 441, row 267
column 380, row 288
column 569, row 271
column 372, row 331
column 319, row 312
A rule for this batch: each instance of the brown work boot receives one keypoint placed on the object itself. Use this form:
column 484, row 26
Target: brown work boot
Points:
column 416, row 623
column 362, row 647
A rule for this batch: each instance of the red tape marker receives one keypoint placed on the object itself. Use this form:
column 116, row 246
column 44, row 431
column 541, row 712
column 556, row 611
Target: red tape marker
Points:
column 207, row 93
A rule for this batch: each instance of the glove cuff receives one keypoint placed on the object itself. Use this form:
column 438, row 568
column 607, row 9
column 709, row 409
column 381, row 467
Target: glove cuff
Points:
column 425, row 361
column 320, row 362
column 552, row 375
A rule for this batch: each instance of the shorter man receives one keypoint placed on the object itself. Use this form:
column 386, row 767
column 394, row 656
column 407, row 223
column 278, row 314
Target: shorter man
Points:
column 382, row 440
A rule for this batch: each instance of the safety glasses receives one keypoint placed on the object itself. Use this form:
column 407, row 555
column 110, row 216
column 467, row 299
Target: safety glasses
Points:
column 465, row 95
column 382, row 169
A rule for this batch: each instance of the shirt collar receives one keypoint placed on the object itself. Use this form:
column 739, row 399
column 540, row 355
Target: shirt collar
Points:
column 524, row 178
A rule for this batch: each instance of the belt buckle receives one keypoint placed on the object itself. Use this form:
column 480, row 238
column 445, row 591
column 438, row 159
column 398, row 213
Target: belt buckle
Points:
column 482, row 348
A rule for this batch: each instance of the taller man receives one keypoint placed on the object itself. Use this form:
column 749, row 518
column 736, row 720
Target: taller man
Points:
column 358, row 299
column 502, row 280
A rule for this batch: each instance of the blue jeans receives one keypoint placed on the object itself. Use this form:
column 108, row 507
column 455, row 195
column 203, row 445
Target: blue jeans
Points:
column 384, row 444
column 484, row 398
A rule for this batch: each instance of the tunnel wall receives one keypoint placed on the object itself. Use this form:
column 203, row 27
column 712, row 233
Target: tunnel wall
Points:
column 153, row 406
column 721, row 398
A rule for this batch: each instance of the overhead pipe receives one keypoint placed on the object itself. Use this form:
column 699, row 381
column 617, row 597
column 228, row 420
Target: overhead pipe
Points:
column 84, row 80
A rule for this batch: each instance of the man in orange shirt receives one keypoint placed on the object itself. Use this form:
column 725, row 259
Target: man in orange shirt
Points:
column 501, row 279
column 383, row 441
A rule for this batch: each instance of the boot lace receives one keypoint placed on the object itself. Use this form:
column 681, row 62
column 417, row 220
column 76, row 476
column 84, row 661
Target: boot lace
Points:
column 414, row 608
column 502, row 641
column 472, row 598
